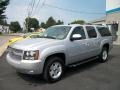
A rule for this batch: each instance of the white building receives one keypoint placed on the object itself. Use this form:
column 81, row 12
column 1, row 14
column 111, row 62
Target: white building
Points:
column 113, row 16
column 4, row 29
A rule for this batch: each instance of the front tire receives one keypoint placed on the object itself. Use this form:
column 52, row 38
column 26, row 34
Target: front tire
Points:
column 103, row 57
column 54, row 69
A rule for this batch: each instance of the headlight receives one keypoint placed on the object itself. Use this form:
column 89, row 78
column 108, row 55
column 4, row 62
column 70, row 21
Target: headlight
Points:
column 31, row 55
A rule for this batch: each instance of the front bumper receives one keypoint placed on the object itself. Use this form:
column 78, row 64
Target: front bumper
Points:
column 26, row 66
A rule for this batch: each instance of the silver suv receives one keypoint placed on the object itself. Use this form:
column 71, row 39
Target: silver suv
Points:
column 58, row 47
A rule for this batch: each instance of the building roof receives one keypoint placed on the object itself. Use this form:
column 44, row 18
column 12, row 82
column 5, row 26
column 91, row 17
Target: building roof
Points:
column 98, row 21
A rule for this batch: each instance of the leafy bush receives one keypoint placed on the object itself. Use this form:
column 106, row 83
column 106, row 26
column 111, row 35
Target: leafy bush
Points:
column 0, row 33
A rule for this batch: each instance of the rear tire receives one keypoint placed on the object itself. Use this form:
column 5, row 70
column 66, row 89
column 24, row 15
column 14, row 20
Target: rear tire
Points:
column 53, row 70
column 103, row 57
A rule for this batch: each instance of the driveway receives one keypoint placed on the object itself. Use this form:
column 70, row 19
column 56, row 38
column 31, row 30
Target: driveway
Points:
column 89, row 76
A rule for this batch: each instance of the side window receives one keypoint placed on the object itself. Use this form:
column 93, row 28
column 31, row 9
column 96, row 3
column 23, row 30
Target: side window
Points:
column 104, row 31
column 79, row 30
column 91, row 32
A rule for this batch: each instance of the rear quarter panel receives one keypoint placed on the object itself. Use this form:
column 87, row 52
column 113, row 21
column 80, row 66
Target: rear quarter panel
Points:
column 106, row 40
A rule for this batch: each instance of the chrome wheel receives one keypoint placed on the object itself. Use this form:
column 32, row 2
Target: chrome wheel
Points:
column 55, row 70
column 104, row 55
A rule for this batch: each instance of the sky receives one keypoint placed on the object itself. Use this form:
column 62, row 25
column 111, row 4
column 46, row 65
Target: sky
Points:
column 17, row 10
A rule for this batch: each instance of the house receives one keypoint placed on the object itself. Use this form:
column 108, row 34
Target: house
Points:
column 40, row 30
column 4, row 29
column 113, row 16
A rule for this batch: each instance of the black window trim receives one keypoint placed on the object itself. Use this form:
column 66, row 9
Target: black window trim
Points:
column 83, row 30
column 95, row 32
column 104, row 34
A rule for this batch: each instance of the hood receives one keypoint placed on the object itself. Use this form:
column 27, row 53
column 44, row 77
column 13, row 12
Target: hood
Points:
column 32, row 43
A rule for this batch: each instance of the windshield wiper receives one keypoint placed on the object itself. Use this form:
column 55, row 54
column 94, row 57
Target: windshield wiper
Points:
column 49, row 37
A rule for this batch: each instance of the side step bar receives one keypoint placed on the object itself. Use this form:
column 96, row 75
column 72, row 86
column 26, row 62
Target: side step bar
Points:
column 82, row 62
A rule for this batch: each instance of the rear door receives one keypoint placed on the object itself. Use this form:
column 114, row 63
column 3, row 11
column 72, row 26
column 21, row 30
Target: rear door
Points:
column 93, row 41
column 105, row 34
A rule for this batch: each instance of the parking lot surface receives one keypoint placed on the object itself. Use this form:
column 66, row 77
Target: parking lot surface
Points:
column 90, row 76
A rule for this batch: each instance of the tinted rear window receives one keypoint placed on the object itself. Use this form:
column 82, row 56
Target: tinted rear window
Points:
column 91, row 32
column 104, row 31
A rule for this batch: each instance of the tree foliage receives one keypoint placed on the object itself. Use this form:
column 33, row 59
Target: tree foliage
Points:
column 78, row 22
column 59, row 22
column 50, row 22
column 31, row 23
column 43, row 25
column 3, row 6
column 15, row 26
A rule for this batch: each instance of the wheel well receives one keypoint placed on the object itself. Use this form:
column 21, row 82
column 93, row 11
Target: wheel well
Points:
column 107, row 46
column 60, row 55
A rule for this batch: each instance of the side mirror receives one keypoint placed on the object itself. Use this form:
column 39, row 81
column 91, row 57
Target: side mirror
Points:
column 76, row 37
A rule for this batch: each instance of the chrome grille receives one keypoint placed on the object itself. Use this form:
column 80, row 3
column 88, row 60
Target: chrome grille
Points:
column 15, row 53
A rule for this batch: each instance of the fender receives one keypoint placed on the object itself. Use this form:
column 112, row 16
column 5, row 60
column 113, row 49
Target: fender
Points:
column 103, row 42
column 53, row 50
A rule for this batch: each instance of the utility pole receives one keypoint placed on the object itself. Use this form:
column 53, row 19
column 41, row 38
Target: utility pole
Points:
column 30, row 11
column 27, row 22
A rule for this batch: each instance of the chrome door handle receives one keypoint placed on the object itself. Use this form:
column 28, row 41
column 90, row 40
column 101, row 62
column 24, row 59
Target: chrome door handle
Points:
column 87, row 44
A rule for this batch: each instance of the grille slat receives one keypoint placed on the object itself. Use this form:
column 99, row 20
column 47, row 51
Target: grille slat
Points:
column 15, row 53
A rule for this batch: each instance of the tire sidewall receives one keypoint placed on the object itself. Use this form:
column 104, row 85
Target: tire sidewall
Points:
column 46, row 74
column 101, row 55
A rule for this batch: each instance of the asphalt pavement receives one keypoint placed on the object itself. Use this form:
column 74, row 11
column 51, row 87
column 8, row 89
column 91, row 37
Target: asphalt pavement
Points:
column 90, row 76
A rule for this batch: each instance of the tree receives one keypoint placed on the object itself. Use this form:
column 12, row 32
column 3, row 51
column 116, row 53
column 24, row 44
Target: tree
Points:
column 3, row 22
column 3, row 6
column 43, row 25
column 15, row 26
column 59, row 22
column 31, row 23
column 50, row 22
column 78, row 22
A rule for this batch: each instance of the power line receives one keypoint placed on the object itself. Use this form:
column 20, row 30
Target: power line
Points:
column 29, row 12
column 27, row 7
column 69, row 10
column 32, row 6
column 43, row 3
column 35, row 10
column 36, row 7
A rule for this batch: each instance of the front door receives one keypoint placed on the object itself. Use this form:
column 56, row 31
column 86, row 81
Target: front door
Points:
column 78, row 49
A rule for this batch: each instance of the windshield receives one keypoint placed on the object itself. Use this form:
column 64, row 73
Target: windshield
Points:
column 58, row 32
column 34, row 35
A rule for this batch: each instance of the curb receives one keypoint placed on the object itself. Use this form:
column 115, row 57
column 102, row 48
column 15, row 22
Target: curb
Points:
column 2, row 49
column 4, row 46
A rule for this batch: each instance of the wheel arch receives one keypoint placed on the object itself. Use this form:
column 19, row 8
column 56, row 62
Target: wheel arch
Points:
column 106, row 45
column 59, row 54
